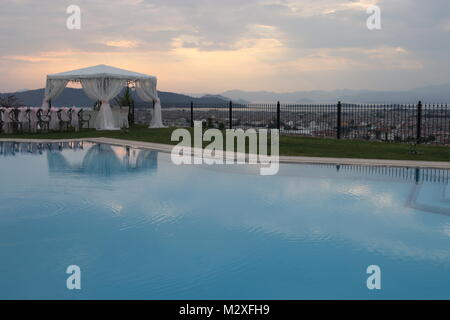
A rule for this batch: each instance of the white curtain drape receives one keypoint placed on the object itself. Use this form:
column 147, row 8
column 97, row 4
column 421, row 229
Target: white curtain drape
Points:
column 103, row 89
column 146, row 90
column 53, row 89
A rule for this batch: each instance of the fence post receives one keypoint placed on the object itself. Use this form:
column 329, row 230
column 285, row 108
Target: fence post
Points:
column 339, row 114
column 192, row 114
column 231, row 115
column 419, row 122
column 278, row 115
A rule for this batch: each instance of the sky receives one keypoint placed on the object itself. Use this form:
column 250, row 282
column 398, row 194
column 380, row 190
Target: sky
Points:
column 210, row 46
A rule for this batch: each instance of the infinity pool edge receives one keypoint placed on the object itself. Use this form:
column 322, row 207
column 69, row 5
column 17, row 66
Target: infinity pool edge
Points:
column 282, row 159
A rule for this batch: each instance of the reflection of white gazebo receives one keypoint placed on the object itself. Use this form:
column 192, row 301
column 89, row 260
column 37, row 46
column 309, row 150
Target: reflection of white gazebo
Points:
column 104, row 83
column 101, row 159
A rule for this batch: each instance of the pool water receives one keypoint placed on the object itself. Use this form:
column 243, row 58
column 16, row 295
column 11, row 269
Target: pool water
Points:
column 140, row 227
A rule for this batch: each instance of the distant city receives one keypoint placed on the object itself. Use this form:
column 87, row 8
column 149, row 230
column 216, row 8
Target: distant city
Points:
column 398, row 123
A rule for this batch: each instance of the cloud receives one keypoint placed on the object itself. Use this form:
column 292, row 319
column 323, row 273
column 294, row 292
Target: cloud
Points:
column 121, row 43
column 299, row 44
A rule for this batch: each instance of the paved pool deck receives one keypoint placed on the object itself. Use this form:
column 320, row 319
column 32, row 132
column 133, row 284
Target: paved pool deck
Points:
column 283, row 159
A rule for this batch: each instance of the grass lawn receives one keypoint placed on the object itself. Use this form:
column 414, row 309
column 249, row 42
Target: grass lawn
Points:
column 289, row 145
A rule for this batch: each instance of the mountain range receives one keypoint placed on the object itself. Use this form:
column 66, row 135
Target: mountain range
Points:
column 76, row 97
column 429, row 94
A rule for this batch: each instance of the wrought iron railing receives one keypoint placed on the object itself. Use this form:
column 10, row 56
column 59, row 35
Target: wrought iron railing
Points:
column 415, row 123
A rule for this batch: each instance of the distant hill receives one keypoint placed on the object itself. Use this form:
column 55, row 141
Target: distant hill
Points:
column 76, row 97
column 430, row 94
column 226, row 99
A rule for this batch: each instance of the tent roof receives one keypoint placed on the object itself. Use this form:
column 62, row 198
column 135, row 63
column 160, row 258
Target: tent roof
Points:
column 100, row 71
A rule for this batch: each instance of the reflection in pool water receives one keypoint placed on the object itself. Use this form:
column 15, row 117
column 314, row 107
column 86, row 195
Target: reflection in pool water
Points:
column 104, row 160
column 140, row 227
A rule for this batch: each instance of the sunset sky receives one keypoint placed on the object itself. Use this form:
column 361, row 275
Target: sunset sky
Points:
column 210, row 46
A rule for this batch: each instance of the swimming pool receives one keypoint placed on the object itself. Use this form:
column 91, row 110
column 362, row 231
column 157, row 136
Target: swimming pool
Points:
column 141, row 228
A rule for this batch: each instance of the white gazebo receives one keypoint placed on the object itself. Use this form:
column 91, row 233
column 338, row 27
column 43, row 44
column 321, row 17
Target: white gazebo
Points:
column 104, row 83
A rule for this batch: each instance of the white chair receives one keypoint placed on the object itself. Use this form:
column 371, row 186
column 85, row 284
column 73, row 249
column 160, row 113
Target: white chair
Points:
column 33, row 119
column 123, row 117
column 75, row 123
column 2, row 120
column 54, row 122
column 120, row 116
column 44, row 119
column 7, row 120
column 92, row 115
column 64, row 118
column 23, row 118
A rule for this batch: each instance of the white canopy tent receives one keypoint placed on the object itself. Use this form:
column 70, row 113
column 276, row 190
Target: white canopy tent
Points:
column 104, row 83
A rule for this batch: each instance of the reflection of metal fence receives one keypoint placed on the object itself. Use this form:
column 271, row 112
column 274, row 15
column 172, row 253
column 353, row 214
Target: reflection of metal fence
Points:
column 439, row 207
column 385, row 173
column 399, row 173
column 418, row 123
column 419, row 179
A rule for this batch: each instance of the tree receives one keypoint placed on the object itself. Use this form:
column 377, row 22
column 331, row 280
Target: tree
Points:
column 126, row 100
column 97, row 105
column 209, row 122
column 9, row 101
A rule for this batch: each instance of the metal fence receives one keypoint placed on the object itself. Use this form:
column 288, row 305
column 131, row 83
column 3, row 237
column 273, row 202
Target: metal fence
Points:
column 418, row 123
